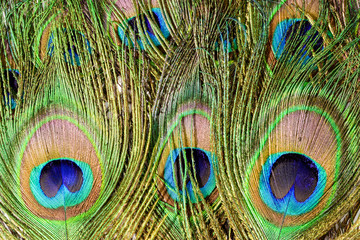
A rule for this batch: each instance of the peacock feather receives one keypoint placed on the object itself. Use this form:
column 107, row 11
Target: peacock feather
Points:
column 137, row 119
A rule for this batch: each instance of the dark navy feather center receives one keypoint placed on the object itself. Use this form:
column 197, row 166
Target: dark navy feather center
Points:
column 202, row 166
column 77, row 39
column 60, row 172
column 13, row 75
column 293, row 170
column 134, row 25
column 298, row 35
column 10, row 97
column 141, row 24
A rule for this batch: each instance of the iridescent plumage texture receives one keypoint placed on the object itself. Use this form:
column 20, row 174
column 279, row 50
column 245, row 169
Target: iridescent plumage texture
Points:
column 180, row 119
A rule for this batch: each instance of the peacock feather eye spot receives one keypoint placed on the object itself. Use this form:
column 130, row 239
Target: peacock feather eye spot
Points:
column 291, row 183
column 296, row 171
column 12, row 76
column 294, row 37
column 298, row 32
column 72, row 54
column 133, row 23
column 61, row 182
column 50, row 45
column 77, row 38
column 184, row 161
column 143, row 21
column 60, row 172
column 202, row 166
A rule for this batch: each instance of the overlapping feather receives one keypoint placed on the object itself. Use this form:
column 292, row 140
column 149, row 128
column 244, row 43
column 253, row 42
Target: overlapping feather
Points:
column 198, row 80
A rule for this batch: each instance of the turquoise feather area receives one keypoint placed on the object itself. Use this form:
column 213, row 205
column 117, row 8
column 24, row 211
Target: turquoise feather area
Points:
column 228, row 40
column 204, row 170
column 289, row 204
column 279, row 41
column 227, row 45
column 71, row 56
column 10, row 102
column 132, row 23
column 295, row 31
column 64, row 197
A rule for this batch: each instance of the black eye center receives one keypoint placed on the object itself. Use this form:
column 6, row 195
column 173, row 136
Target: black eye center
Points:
column 11, row 76
column 12, row 80
column 134, row 26
column 293, row 170
column 75, row 39
column 60, row 172
column 72, row 49
column 202, row 166
column 297, row 33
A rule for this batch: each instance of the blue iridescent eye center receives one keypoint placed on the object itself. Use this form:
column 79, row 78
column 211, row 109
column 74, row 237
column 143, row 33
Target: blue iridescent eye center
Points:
column 202, row 166
column 143, row 22
column 183, row 163
column 134, row 25
column 13, row 75
column 60, row 172
column 295, row 37
column 61, row 182
column 291, row 183
column 296, row 171
column 298, row 32
column 72, row 50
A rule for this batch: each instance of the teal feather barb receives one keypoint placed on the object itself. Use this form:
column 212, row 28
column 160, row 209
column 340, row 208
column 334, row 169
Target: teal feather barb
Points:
column 179, row 119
